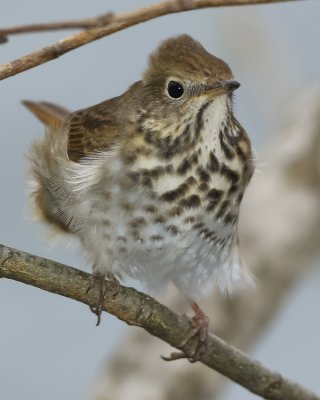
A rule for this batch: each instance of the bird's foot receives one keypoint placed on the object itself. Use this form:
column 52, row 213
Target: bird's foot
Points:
column 99, row 278
column 199, row 330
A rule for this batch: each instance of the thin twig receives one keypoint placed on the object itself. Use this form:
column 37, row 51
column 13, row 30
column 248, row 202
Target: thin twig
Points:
column 117, row 23
column 136, row 308
column 87, row 23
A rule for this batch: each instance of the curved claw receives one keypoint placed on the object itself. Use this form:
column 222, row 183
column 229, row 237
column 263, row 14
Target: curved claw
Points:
column 99, row 278
column 200, row 323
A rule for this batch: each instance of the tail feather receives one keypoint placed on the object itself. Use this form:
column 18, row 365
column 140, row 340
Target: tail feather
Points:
column 50, row 114
column 58, row 186
column 46, row 157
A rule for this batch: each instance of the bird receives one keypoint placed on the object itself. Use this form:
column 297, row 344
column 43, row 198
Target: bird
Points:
column 151, row 182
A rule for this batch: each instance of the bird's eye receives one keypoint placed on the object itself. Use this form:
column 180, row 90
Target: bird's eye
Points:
column 175, row 89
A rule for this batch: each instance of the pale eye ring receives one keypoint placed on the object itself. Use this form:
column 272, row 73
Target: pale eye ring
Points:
column 175, row 89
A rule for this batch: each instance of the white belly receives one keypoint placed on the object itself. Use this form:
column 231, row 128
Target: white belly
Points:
column 155, row 255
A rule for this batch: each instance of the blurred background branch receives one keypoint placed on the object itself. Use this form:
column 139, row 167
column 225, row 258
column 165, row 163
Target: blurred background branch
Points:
column 114, row 23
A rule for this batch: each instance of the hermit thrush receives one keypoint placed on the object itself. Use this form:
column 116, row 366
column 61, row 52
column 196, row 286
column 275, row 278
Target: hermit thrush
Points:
column 151, row 181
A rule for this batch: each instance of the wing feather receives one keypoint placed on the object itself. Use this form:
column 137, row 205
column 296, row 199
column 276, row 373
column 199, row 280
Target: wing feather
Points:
column 95, row 129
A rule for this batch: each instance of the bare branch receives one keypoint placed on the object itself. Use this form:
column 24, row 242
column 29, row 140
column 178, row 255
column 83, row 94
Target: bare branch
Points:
column 87, row 23
column 117, row 23
column 137, row 309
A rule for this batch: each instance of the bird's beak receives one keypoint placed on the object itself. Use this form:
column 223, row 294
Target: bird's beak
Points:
column 221, row 87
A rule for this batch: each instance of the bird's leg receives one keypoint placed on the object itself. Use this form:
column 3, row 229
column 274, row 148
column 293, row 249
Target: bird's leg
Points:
column 199, row 330
column 99, row 278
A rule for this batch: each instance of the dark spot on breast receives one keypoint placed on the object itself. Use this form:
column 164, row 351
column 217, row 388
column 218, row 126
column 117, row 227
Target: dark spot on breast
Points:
column 176, row 143
column 159, row 219
column 189, row 220
column 233, row 189
column 203, row 174
column 210, row 235
column 183, row 167
column 170, row 196
column 135, row 234
column 203, row 187
column 225, row 148
column 105, row 222
column 157, row 172
column 175, row 211
column 123, row 250
column 169, row 168
column 214, row 194
column 194, row 158
column 150, row 209
column 198, row 225
column 239, row 198
column 134, row 177
column 230, row 174
column 147, row 182
column 172, row 229
column 199, row 118
column 122, row 239
column 181, row 190
column 213, row 163
column 137, row 222
column 229, row 219
column 144, row 172
column 129, row 158
column 212, row 205
column 192, row 201
column 203, row 231
column 172, row 144
column 190, row 181
column 233, row 132
column 156, row 238
column 223, row 208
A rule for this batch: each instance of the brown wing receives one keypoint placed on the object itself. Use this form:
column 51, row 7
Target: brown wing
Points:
column 94, row 129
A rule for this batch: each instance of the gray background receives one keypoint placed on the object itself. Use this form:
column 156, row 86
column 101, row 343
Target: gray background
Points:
column 49, row 346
